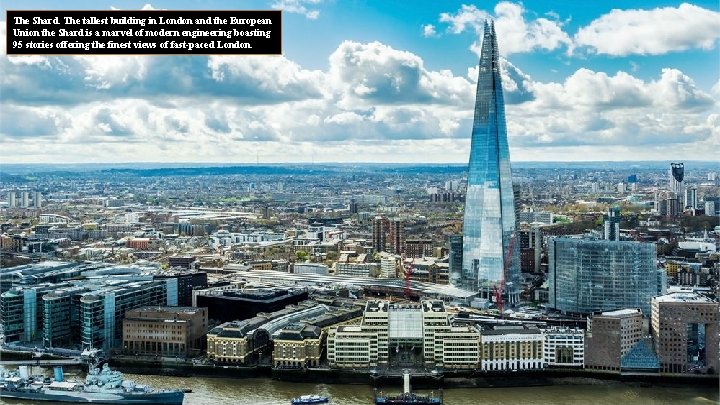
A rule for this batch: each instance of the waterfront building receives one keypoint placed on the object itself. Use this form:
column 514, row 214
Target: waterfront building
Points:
column 61, row 316
column 489, row 221
column 564, row 347
column 404, row 335
column 302, row 344
column 611, row 335
column 587, row 275
column 165, row 331
column 297, row 346
column 102, row 310
column 243, row 341
column 21, row 312
column 685, row 329
column 512, row 348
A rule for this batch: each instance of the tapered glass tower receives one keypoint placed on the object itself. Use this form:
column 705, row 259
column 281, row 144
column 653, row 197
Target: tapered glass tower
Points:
column 489, row 224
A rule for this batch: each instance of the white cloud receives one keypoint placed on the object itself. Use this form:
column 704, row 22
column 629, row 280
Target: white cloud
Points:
column 372, row 73
column 429, row 31
column 299, row 7
column 515, row 33
column 595, row 109
column 651, row 32
column 372, row 103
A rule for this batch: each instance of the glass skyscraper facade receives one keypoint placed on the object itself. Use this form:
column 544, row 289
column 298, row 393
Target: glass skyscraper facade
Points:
column 589, row 275
column 489, row 222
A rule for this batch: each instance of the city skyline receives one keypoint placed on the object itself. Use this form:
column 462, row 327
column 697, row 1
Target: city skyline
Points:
column 393, row 84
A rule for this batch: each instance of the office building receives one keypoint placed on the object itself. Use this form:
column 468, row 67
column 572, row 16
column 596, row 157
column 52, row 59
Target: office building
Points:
column 102, row 310
column 531, row 217
column 512, row 348
column 489, row 221
column 404, row 335
column 21, row 312
column 244, row 341
column 310, row 268
column 709, row 208
column 12, row 202
column 234, row 304
column 61, row 316
column 165, row 331
column 389, row 265
column 455, row 259
column 298, row 345
column 37, row 200
column 685, row 330
column 676, row 176
column 356, row 269
column 564, row 347
column 185, row 282
column 610, row 335
column 588, row 275
column 691, row 198
column 530, row 240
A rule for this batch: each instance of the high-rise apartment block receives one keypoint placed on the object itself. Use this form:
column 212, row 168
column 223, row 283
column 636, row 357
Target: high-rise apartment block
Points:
column 611, row 225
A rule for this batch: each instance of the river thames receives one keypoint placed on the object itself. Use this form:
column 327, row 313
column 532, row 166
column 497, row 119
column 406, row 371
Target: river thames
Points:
column 260, row 391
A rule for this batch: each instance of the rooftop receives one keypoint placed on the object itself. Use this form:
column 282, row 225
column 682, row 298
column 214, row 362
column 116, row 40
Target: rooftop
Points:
column 623, row 312
column 682, row 297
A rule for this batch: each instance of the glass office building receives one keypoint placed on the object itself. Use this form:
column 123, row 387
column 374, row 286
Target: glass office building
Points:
column 588, row 275
column 489, row 222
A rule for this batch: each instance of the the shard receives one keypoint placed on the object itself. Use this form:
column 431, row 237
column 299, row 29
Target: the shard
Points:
column 491, row 259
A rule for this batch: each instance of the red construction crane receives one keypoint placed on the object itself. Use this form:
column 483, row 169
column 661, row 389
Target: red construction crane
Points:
column 506, row 264
column 409, row 270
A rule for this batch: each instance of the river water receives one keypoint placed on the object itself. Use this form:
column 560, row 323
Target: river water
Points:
column 259, row 391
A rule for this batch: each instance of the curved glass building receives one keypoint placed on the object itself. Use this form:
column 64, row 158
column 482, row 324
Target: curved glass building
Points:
column 489, row 222
column 587, row 275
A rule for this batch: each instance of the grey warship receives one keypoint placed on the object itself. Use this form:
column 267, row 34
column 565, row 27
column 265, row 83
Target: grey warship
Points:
column 101, row 386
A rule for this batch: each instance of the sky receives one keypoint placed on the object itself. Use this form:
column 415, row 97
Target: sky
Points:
column 381, row 81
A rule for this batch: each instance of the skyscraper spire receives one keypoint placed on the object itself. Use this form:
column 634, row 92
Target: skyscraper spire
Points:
column 489, row 222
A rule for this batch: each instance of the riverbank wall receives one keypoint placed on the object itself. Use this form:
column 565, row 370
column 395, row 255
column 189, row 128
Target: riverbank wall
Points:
column 450, row 379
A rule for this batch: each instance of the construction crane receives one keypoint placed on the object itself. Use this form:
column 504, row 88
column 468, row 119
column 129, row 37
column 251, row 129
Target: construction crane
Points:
column 409, row 270
column 506, row 265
